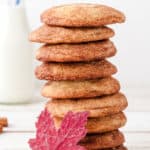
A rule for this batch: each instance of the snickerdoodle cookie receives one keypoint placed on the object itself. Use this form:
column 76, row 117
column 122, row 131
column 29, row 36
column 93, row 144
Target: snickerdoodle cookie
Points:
column 82, row 15
column 121, row 147
column 108, row 141
column 76, row 52
column 55, row 35
column 75, row 71
column 101, row 124
column 97, row 107
column 80, row 89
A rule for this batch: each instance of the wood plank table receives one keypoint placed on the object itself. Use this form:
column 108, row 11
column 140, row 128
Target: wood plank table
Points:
column 23, row 117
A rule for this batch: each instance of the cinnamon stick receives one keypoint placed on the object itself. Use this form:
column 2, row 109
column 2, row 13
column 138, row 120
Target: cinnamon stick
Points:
column 1, row 129
column 3, row 122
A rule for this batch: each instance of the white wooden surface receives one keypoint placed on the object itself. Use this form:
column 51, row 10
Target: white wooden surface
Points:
column 22, row 119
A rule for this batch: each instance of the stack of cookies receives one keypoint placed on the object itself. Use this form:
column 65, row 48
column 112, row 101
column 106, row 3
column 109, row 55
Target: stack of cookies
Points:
column 79, row 78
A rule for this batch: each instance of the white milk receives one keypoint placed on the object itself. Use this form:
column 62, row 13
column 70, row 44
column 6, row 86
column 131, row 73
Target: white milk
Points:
column 16, row 74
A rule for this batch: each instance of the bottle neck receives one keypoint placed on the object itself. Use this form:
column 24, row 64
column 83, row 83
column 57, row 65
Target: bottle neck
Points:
column 12, row 3
column 20, row 2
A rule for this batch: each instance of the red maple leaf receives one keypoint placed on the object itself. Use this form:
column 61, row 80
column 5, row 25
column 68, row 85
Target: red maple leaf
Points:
column 72, row 130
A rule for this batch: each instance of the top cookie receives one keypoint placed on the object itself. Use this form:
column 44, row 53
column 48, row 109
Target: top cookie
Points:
column 82, row 15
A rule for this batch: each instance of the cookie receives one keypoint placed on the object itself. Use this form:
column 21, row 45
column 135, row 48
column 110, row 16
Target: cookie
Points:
column 76, row 52
column 82, row 15
column 97, row 107
column 55, row 35
column 121, row 147
column 80, row 89
column 101, row 124
column 107, row 141
column 75, row 71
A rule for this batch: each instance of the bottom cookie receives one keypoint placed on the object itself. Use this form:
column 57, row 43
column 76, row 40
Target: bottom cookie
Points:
column 115, row 148
column 108, row 141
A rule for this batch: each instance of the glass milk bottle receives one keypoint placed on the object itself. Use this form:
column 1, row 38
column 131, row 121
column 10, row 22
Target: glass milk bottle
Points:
column 16, row 74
